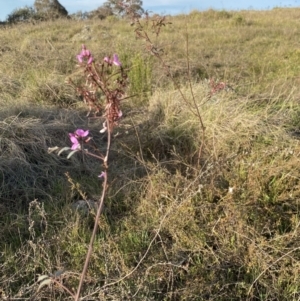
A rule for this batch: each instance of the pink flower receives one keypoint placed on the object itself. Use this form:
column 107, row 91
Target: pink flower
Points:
column 102, row 175
column 79, row 134
column 85, row 53
column 75, row 142
column 114, row 61
column 107, row 60
column 79, row 58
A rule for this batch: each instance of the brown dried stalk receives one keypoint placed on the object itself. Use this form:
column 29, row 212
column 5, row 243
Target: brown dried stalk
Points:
column 141, row 33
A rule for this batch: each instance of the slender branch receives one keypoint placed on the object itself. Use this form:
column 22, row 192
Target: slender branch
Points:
column 194, row 99
column 192, row 106
column 90, row 249
column 93, row 155
column 63, row 287
column 99, row 211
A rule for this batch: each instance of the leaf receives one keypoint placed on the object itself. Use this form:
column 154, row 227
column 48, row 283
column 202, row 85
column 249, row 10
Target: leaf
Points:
column 42, row 277
column 44, row 282
column 52, row 149
column 72, row 153
column 63, row 149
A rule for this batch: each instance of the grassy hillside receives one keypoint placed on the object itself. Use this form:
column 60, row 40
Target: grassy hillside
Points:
column 187, row 216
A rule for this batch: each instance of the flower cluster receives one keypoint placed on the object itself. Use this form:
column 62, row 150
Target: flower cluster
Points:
column 114, row 61
column 85, row 53
column 112, row 85
column 77, row 137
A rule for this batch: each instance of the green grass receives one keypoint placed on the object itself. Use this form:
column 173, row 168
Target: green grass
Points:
column 175, row 227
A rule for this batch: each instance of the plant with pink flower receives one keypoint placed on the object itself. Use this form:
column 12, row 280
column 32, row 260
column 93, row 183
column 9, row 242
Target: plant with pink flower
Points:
column 102, row 88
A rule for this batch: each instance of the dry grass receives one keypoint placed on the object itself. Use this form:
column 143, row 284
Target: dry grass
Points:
column 226, row 229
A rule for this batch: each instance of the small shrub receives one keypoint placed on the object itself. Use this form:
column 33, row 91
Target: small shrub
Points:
column 238, row 20
column 140, row 76
column 21, row 15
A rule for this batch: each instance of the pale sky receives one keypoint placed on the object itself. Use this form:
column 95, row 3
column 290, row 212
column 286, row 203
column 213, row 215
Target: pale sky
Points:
column 158, row 6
